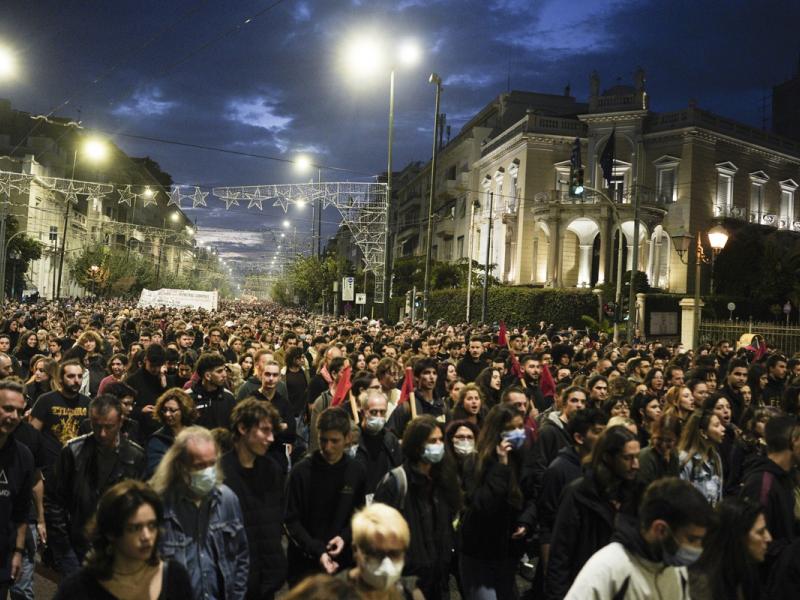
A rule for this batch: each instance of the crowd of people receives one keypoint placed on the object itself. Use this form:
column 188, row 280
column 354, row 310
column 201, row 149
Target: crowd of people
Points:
column 255, row 451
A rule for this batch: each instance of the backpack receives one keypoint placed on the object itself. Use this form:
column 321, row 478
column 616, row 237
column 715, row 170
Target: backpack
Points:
column 402, row 485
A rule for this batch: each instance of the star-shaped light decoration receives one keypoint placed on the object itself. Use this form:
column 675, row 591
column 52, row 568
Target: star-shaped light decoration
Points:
column 199, row 198
column 231, row 198
column 126, row 196
column 96, row 191
column 283, row 202
column 5, row 184
column 175, row 196
column 149, row 196
column 71, row 193
column 255, row 199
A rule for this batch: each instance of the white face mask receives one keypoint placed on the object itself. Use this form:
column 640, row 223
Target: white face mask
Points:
column 383, row 574
column 464, row 447
column 375, row 424
column 204, row 480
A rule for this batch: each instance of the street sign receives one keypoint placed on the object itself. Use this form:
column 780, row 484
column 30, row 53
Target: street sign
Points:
column 787, row 308
column 731, row 306
column 361, row 298
column 348, row 288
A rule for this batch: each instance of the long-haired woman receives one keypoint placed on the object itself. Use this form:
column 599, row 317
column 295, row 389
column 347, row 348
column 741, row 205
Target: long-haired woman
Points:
column 470, row 405
column 732, row 551
column 123, row 562
column 699, row 457
column 498, row 515
column 490, row 382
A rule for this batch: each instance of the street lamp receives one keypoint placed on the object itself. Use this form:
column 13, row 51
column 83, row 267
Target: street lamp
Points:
column 95, row 150
column 303, row 164
column 8, row 63
column 437, row 81
column 364, row 56
column 682, row 241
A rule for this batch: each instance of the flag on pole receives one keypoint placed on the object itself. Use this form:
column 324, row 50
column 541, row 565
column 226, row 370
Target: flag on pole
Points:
column 342, row 387
column 546, row 384
column 502, row 338
column 408, row 386
column 516, row 368
column 607, row 158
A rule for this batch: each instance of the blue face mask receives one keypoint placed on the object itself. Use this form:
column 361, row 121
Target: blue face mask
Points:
column 433, row 453
column 515, row 437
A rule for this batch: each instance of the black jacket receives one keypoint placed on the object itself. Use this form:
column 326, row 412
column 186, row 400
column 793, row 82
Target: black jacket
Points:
column 652, row 466
column 402, row 414
column 584, row 524
column 552, row 438
column 148, row 388
column 429, row 519
column 490, row 516
column 320, row 500
column 386, row 455
column 74, row 496
column 213, row 408
column 773, row 488
column 565, row 469
column 468, row 368
column 260, row 493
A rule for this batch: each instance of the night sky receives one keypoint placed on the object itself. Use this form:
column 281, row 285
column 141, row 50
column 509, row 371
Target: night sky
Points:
column 181, row 70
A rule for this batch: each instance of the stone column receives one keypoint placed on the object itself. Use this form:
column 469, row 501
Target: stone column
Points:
column 687, row 322
column 640, row 312
column 584, row 265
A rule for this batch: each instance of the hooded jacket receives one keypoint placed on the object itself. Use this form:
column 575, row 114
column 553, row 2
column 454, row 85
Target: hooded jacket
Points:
column 629, row 569
column 766, row 483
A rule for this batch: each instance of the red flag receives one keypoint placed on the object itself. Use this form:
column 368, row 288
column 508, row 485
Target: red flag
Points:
column 502, row 339
column 546, row 384
column 516, row 368
column 408, row 386
column 342, row 387
column 762, row 350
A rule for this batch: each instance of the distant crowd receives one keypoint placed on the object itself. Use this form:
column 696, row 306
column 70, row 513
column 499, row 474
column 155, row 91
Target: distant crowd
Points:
column 257, row 452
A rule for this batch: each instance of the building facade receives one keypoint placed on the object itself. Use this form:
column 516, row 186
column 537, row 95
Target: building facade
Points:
column 47, row 148
column 502, row 187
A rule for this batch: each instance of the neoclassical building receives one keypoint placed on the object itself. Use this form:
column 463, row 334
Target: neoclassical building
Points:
column 508, row 169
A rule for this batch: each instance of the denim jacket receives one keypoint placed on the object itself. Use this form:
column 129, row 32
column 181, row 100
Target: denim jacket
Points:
column 225, row 544
column 703, row 475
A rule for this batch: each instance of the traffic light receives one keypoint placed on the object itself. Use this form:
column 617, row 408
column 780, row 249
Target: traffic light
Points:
column 576, row 183
column 418, row 300
column 609, row 309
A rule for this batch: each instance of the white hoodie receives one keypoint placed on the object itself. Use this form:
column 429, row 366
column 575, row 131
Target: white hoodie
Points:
column 607, row 573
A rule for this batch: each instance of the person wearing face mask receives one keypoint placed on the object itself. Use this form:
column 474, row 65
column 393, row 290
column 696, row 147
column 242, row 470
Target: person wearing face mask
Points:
column 380, row 541
column 426, row 492
column 460, row 439
column 648, row 556
column 378, row 448
column 499, row 515
column 203, row 524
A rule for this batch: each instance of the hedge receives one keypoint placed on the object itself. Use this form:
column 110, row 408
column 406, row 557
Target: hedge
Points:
column 516, row 306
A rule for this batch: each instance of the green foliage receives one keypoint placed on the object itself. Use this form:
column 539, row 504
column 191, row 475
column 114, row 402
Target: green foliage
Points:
column 515, row 305
column 307, row 278
column 602, row 326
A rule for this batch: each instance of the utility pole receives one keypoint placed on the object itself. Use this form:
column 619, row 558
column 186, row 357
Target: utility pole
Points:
column 634, row 267
column 435, row 79
column 485, row 303
column 469, row 257
column 4, row 207
column 387, row 261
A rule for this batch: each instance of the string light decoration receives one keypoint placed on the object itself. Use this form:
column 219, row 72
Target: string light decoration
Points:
column 175, row 196
column 126, row 196
column 198, row 198
column 363, row 206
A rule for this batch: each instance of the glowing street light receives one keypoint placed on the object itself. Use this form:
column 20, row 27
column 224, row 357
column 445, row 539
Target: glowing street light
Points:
column 286, row 224
column 96, row 150
column 409, row 53
column 8, row 63
column 363, row 55
column 302, row 163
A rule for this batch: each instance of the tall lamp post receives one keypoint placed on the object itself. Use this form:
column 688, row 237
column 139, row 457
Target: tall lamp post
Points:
column 303, row 163
column 437, row 81
column 96, row 151
column 717, row 237
column 365, row 55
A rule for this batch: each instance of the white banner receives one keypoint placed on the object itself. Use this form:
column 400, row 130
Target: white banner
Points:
column 179, row 299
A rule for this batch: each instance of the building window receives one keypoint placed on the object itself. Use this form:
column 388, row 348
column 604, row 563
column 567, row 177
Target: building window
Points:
column 448, row 249
column 460, row 246
column 462, row 207
column 435, row 252
column 724, row 202
column 53, row 233
column 788, row 188
column 758, row 183
column 666, row 178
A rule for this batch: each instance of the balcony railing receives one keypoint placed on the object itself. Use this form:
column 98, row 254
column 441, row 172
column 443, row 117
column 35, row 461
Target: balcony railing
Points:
column 769, row 219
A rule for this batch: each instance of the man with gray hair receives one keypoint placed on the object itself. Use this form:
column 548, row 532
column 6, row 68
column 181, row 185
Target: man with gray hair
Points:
column 378, row 448
column 203, row 524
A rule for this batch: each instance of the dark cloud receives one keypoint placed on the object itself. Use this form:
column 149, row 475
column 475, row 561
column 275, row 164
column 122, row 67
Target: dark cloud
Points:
column 276, row 87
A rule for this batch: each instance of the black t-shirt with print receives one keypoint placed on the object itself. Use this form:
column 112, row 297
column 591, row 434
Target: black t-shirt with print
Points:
column 61, row 418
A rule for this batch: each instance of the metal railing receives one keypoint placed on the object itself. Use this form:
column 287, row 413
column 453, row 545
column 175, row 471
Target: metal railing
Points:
column 784, row 337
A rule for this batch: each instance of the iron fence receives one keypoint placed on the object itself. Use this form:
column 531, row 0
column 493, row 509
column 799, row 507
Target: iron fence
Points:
column 783, row 337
